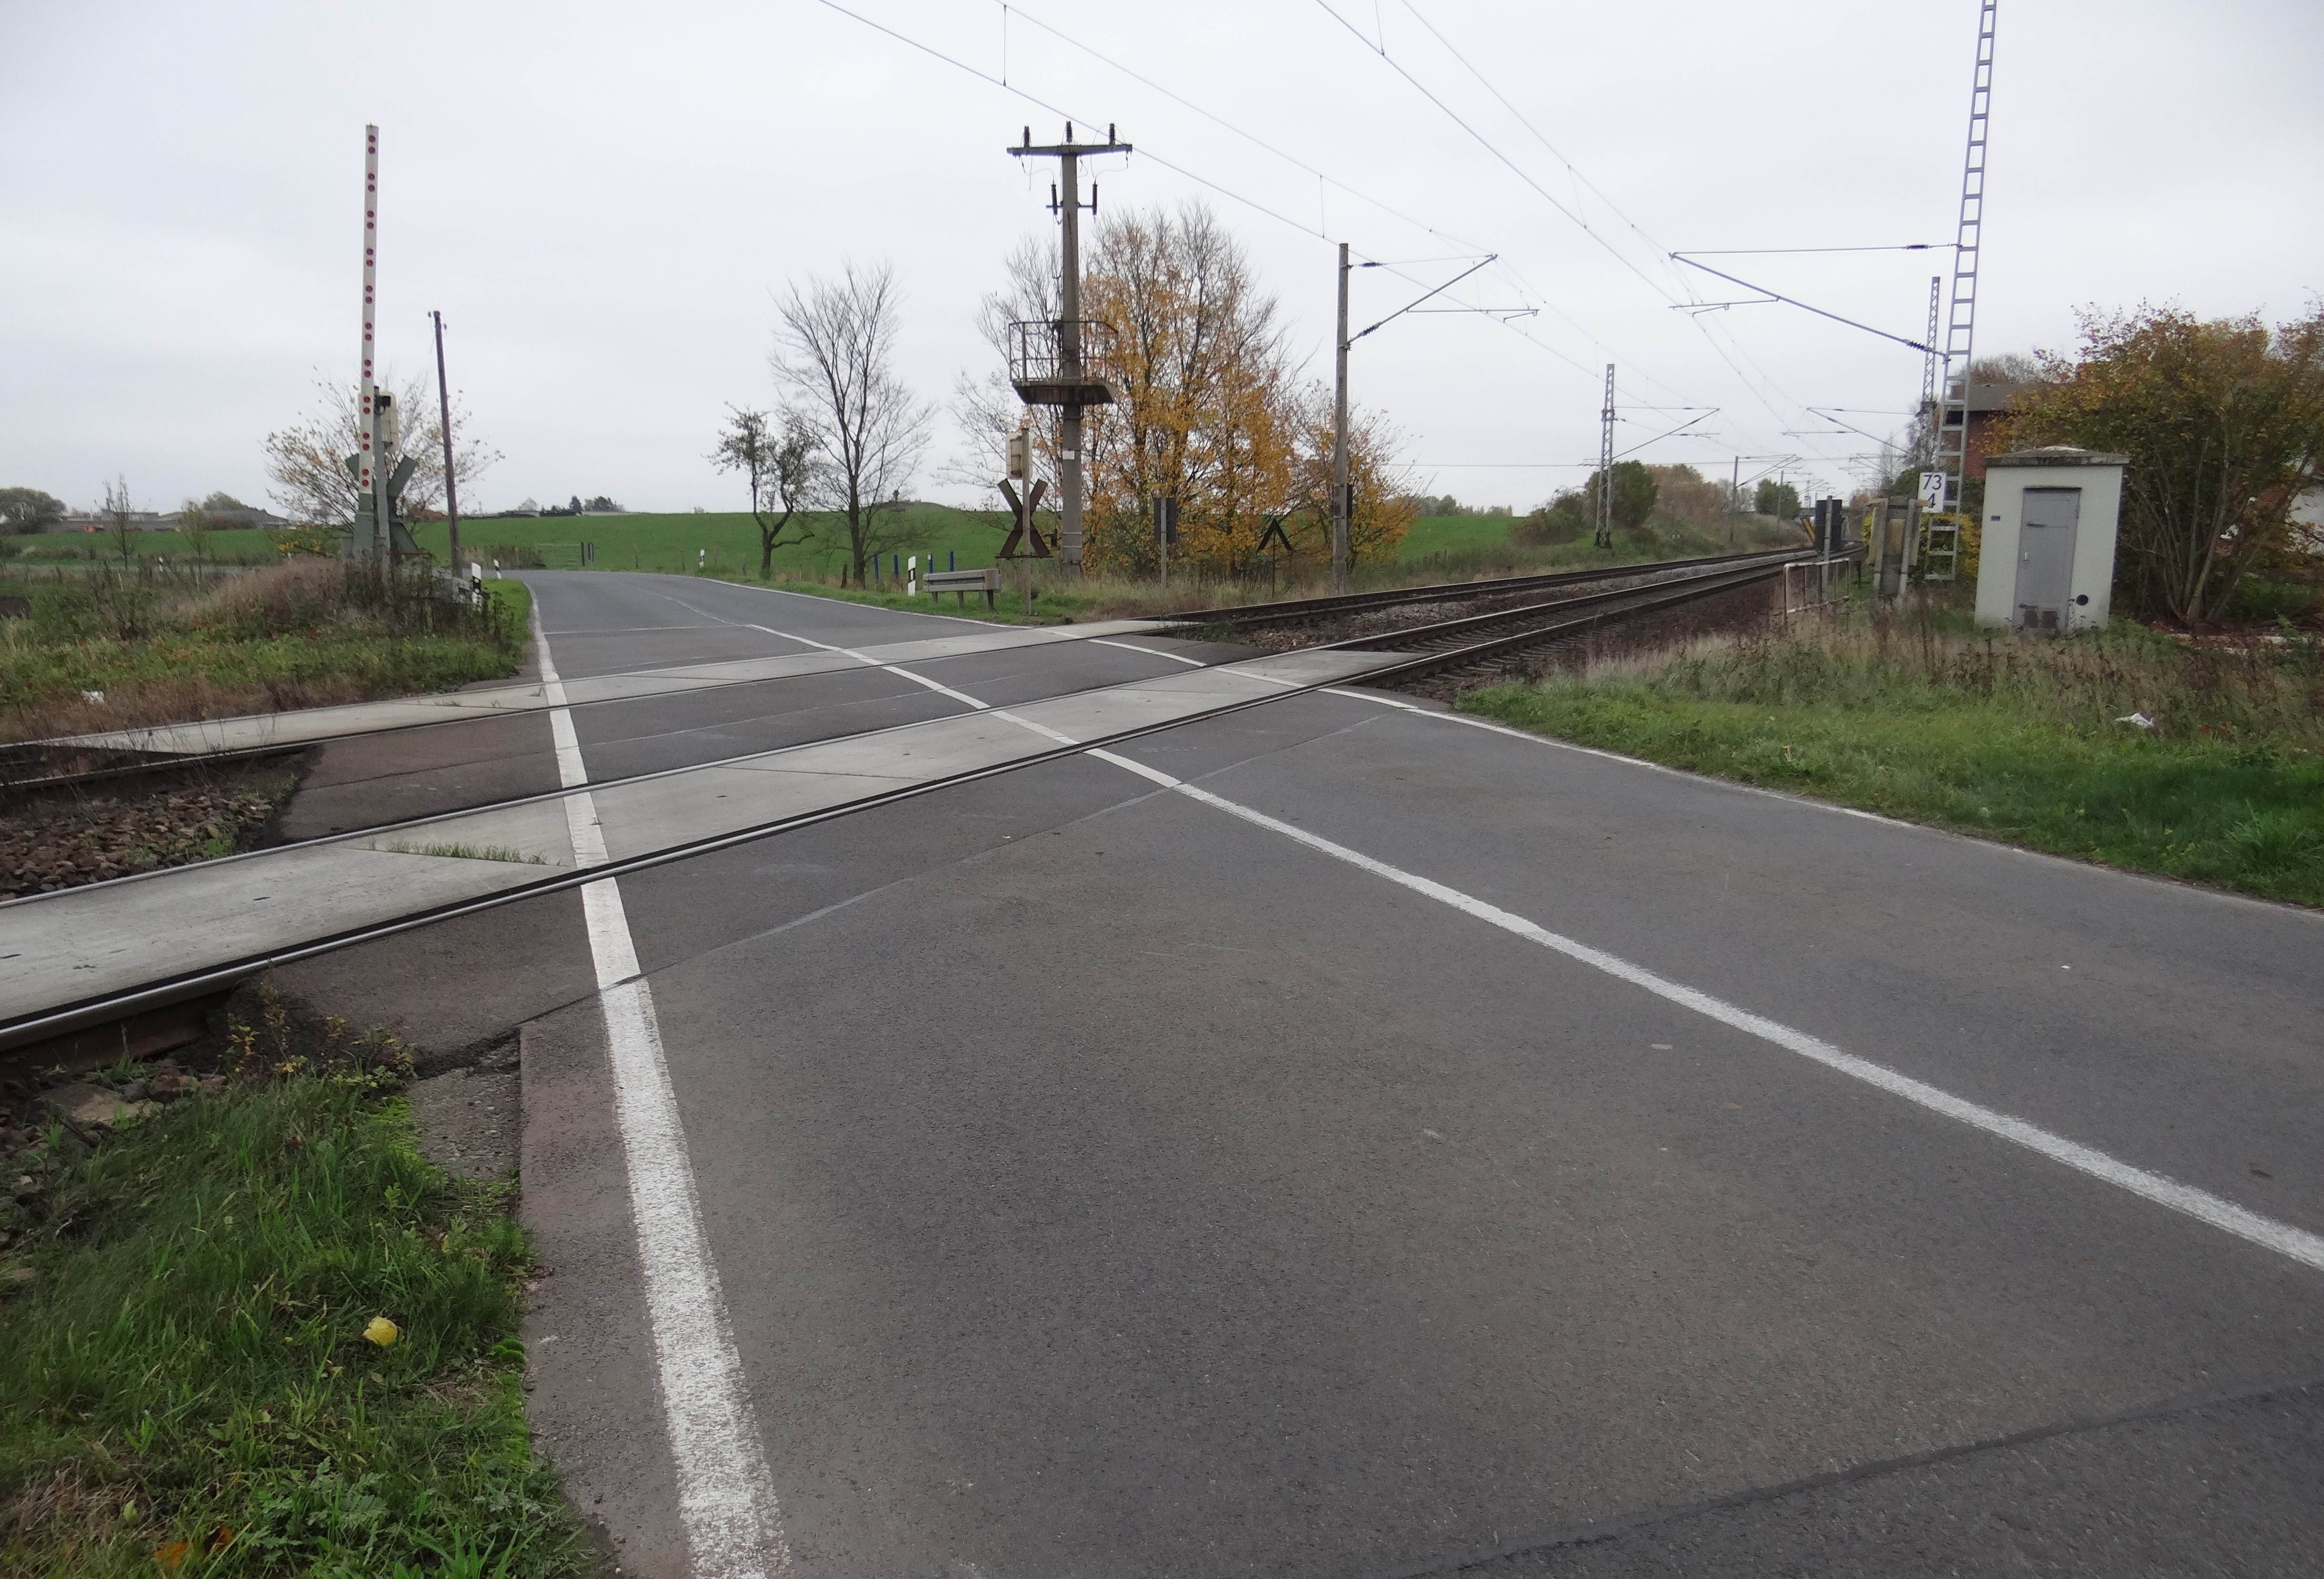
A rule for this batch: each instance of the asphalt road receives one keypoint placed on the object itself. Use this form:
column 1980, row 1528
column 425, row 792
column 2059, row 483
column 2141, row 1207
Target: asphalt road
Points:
column 1437, row 1151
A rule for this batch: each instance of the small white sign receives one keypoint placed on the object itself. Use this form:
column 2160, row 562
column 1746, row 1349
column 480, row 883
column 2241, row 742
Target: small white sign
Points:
column 1932, row 488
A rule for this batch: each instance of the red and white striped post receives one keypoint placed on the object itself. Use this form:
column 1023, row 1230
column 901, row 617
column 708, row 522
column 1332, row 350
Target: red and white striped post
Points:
column 367, row 448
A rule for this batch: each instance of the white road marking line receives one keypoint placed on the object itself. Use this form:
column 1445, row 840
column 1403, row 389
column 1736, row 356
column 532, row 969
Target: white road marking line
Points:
column 1150, row 652
column 725, row 1500
column 846, row 652
column 786, row 592
column 1044, row 730
column 1139, row 768
column 2297, row 1243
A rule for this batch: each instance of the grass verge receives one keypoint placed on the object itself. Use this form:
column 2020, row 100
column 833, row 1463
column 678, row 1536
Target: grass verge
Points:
column 115, row 650
column 187, row 1386
column 2007, row 738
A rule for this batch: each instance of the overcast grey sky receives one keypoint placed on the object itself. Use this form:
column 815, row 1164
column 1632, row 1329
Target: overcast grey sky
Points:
column 602, row 198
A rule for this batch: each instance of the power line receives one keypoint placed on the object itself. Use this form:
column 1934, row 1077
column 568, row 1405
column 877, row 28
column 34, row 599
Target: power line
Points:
column 1010, row 88
column 1382, row 50
column 1256, row 207
column 1571, row 168
column 1255, row 141
column 1487, row 143
column 1321, row 175
column 1764, row 252
column 1774, row 296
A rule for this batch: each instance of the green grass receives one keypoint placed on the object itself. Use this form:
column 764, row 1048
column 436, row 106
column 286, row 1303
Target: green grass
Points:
column 2011, row 740
column 727, row 542
column 189, row 1357
column 462, row 852
column 161, row 646
column 511, row 603
column 37, row 672
column 723, row 543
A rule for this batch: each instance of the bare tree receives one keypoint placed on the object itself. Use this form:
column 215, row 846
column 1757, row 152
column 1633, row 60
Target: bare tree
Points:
column 306, row 462
column 779, row 467
column 836, row 350
column 120, row 516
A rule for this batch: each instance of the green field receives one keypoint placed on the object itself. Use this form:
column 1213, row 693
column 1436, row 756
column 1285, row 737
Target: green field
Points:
column 726, row 545
column 727, row 541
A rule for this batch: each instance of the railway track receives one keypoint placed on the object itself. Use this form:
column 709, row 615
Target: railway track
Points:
column 1469, row 644
column 35, row 766
column 1309, row 611
column 1502, row 638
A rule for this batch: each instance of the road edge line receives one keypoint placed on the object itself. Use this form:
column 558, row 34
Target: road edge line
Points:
column 726, row 1500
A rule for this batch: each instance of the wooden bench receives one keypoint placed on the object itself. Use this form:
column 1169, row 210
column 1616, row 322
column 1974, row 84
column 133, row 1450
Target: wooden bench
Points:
column 963, row 581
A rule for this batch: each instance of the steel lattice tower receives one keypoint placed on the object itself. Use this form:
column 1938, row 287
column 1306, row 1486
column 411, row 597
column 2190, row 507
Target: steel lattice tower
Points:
column 1960, row 325
column 1606, row 464
column 1931, row 393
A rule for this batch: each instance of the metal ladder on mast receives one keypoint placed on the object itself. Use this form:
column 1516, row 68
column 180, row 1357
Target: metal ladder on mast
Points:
column 1942, row 554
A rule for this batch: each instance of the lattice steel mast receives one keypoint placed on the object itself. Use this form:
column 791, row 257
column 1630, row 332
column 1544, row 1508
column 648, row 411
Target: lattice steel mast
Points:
column 1604, row 538
column 1960, row 325
column 1931, row 391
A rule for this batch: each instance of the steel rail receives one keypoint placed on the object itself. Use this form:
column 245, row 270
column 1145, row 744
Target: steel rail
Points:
column 1453, row 633
column 1499, row 650
column 1291, row 611
column 105, row 1007
column 161, row 765
column 1285, row 611
column 101, row 1009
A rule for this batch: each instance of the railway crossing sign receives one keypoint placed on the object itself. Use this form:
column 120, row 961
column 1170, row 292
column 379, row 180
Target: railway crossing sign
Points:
column 1025, row 527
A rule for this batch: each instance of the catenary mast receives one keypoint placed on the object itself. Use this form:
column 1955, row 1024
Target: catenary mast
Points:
column 363, row 542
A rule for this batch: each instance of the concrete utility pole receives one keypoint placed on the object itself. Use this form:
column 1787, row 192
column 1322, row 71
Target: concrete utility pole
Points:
column 1342, row 504
column 444, row 405
column 1065, row 201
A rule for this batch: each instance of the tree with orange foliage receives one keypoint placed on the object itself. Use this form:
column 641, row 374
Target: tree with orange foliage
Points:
column 2223, row 421
column 1206, row 411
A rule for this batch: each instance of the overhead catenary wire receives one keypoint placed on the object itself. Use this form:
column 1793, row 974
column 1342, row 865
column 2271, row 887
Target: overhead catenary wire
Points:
column 1265, row 209
column 1713, row 341
column 1326, row 179
column 1035, row 100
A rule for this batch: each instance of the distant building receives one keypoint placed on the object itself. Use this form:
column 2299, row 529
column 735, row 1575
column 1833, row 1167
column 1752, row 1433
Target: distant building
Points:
column 1987, row 407
column 249, row 518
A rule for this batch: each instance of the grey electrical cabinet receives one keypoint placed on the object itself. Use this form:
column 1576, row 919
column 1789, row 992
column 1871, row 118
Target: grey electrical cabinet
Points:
column 2046, row 558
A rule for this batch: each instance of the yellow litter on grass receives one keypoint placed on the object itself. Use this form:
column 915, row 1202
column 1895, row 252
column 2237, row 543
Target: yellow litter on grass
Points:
column 382, row 1331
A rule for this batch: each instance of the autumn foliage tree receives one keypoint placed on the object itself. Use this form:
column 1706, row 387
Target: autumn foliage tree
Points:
column 2223, row 421
column 1383, row 513
column 1208, row 412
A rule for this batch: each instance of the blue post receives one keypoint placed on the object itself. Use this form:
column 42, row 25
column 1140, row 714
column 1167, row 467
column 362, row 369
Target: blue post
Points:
column 952, row 560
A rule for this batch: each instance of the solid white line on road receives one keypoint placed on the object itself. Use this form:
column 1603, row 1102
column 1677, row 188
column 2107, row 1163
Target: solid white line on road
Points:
column 845, row 652
column 726, row 1501
column 2297, row 1244
column 1150, row 652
